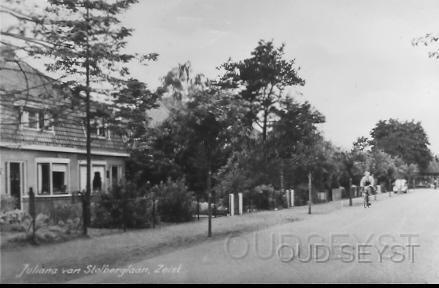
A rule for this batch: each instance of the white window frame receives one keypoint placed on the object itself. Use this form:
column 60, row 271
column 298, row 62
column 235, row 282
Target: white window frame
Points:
column 93, row 163
column 100, row 124
column 119, row 173
column 23, row 180
column 52, row 161
column 24, row 113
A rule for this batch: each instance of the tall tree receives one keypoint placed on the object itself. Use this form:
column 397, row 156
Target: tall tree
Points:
column 83, row 40
column 430, row 40
column 180, row 81
column 406, row 140
column 308, row 157
column 128, row 112
column 204, row 130
column 296, row 124
column 262, row 81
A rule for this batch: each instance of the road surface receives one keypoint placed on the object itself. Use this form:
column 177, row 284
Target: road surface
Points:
column 394, row 241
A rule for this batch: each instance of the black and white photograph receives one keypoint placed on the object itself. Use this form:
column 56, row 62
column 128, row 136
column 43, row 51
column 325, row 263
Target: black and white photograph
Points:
column 219, row 141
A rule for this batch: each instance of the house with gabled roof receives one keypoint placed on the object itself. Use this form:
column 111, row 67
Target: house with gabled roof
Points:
column 43, row 141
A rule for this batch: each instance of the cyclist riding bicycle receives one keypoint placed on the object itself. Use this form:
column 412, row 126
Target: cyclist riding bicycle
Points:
column 366, row 184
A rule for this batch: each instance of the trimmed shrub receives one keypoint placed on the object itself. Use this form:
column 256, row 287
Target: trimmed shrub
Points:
column 174, row 201
column 124, row 205
column 263, row 197
column 140, row 213
column 130, row 206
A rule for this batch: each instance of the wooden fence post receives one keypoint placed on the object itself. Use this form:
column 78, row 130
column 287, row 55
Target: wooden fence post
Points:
column 214, row 204
column 124, row 210
column 350, row 191
column 84, row 213
column 153, row 209
column 32, row 213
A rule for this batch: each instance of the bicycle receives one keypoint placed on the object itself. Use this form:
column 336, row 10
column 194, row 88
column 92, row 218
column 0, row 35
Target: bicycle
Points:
column 366, row 192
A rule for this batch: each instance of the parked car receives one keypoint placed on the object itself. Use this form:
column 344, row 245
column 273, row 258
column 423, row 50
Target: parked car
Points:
column 400, row 186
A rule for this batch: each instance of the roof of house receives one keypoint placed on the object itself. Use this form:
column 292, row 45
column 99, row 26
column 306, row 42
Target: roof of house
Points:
column 22, row 85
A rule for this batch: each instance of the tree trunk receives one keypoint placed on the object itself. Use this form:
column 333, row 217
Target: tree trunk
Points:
column 264, row 137
column 214, row 205
column 208, row 188
column 198, row 208
column 209, row 207
column 309, row 192
column 282, row 181
column 153, row 210
column 264, row 126
column 86, row 212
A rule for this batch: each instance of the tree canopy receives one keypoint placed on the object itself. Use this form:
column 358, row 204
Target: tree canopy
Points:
column 430, row 40
column 261, row 81
column 406, row 140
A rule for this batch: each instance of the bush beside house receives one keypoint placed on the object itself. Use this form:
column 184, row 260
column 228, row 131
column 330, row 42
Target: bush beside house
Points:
column 131, row 206
column 123, row 206
column 174, row 201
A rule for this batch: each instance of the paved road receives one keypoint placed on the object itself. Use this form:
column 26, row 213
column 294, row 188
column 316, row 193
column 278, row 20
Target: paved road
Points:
column 396, row 240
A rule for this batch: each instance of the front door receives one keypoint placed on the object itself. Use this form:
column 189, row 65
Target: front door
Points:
column 16, row 182
column 98, row 177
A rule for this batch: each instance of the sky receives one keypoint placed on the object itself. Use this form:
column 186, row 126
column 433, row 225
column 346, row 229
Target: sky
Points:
column 356, row 57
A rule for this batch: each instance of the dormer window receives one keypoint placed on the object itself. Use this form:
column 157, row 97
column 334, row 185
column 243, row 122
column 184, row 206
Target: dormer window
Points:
column 35, row 119
column 99, row 129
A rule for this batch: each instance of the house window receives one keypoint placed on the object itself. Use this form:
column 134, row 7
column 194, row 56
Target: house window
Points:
column 35, row 119
column 115, row 175
column 99, row 129
column 52, row 178
column 43, row 178
column 59, row 178
column 15, row 181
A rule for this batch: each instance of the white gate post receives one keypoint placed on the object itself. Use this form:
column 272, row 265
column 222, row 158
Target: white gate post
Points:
column 240, row 203
column 231, row 204
column 291, row 197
